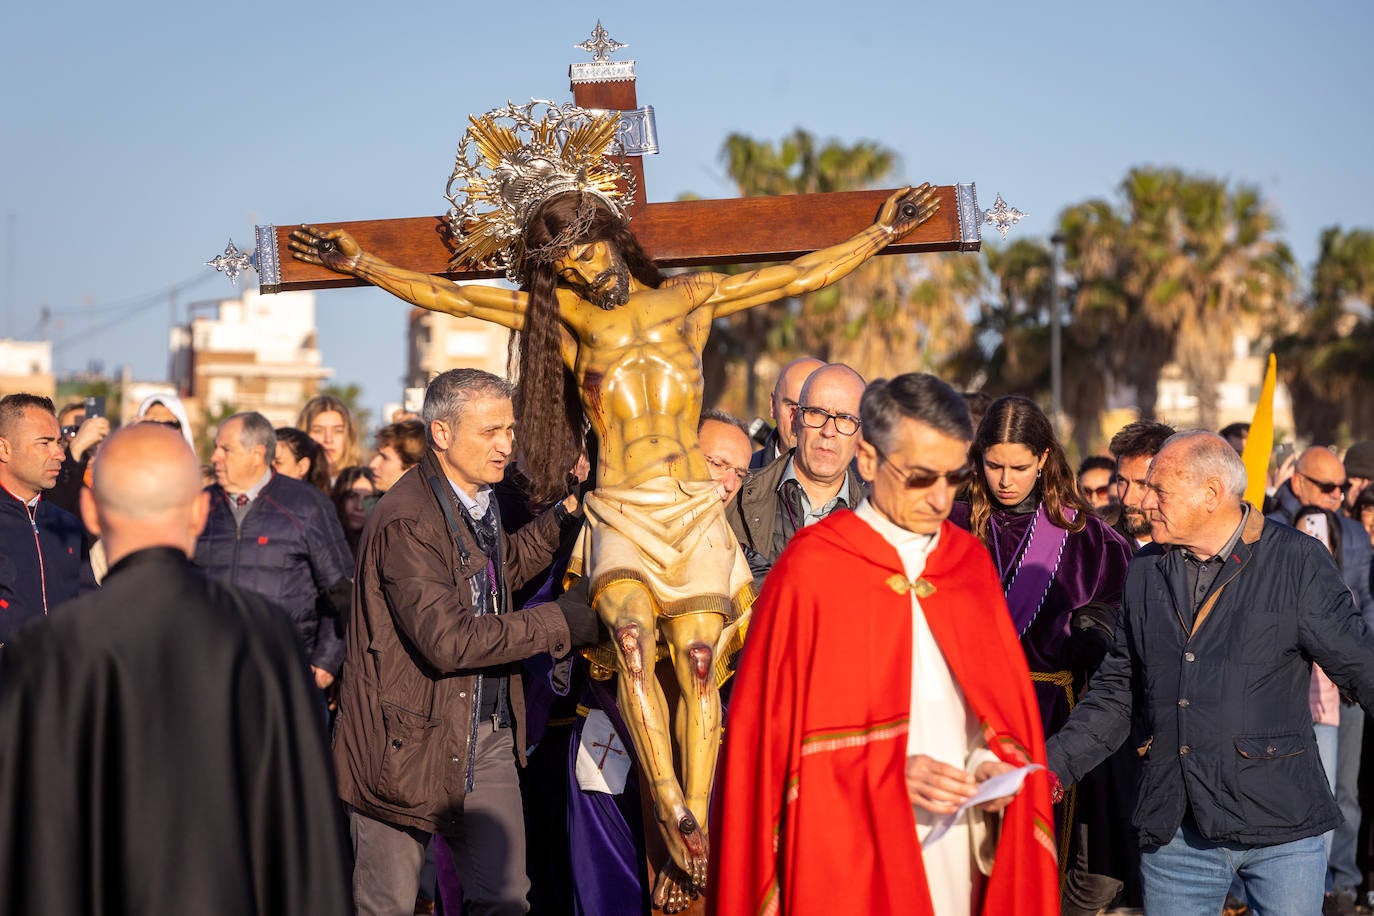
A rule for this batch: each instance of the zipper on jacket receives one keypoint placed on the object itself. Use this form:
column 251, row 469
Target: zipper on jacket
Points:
column 38, row 549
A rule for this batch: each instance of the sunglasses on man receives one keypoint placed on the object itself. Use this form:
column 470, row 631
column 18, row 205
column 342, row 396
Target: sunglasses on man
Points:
column 921, row 478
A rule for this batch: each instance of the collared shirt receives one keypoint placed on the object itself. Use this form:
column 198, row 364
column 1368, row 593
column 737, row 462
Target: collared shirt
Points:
column 252, row 493
column 808, row 515
column 478, row 505
column 492, row 701
column 1201, row 574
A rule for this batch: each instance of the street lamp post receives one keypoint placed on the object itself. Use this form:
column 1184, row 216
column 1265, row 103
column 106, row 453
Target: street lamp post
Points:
column 1056, row 340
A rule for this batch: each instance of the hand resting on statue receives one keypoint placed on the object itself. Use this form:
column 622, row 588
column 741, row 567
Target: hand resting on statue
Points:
column 584, row 626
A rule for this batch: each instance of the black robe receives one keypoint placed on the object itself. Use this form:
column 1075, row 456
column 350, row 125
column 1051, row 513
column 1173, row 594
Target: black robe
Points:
column 162, row 752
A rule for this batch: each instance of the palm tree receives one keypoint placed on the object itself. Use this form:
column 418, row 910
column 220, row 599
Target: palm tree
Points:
column 1170, row 274
column 1327, row 358
column 828, row 322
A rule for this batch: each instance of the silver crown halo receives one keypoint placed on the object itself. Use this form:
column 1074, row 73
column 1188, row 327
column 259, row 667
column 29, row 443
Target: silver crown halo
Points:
column 512, row 159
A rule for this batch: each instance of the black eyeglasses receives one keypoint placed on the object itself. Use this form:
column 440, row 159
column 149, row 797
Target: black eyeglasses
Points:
column 817, row 417
column 1099, row 492
column 920, row 479
column 172, row 424
column 721, row 466
column 1326, row 486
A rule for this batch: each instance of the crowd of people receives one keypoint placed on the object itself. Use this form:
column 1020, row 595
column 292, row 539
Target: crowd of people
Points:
column 1173, row 680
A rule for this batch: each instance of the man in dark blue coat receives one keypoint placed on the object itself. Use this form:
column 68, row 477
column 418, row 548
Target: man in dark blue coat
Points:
column 278, row 537
column 40, row 544
column 1221, row 619
column 1319, row 479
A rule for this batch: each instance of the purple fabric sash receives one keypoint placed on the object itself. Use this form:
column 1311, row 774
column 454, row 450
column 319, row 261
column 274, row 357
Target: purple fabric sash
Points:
column 1034, row 570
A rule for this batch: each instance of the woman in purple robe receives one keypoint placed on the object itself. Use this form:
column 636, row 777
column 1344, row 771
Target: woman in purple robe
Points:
column 1062, row 570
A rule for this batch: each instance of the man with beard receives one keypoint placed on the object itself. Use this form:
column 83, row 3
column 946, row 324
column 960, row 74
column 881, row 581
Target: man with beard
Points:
column 595, row 312
column 1134, row 447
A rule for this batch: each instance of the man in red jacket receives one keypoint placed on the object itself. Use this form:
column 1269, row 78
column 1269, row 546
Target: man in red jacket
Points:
column 881, row 686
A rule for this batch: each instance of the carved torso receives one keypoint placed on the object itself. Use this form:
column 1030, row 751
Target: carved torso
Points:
column 638, row 370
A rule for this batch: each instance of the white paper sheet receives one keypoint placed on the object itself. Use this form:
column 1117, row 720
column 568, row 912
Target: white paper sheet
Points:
column 1008, row 783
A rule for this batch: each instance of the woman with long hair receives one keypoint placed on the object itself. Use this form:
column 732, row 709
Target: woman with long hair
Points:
column 1062, row 569
column 326, row 419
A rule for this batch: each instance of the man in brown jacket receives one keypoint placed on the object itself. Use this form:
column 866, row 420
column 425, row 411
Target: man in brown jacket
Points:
column 431, row 716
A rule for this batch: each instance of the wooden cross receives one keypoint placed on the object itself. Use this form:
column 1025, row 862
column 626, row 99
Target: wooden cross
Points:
column 675, row 234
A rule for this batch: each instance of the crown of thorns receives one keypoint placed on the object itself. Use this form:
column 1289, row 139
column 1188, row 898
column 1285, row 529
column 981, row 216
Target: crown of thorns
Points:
column 512, row 159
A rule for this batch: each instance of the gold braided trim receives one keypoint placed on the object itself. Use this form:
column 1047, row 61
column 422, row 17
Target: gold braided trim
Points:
column 696, row 604
column 859, row 737
column 1063, row 679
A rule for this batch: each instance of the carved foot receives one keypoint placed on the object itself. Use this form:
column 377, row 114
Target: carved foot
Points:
column 687, row 845
column 673, row 891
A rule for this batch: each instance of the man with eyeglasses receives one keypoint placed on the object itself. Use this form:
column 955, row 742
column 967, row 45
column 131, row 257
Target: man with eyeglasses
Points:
column 881, row 684
column 1319, row 479
column 810, row 481
column 783, row 403
column 725, row 444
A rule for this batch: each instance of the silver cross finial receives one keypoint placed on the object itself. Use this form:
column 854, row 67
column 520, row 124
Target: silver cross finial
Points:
column 601, row 44
column 233, row 262
column 1001, row 216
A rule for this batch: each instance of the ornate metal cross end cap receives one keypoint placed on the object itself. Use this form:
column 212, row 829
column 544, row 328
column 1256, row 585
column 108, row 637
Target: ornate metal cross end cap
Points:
column 601, row 68
column 232, row 262
column 1001, row 216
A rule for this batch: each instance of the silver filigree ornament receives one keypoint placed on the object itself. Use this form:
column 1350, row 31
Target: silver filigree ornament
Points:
column 231, row 263
column 601, row 44
column 513, row 159
column 1002, row 217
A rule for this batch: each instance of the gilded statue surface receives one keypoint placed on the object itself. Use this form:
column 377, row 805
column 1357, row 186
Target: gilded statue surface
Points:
column 661, row 560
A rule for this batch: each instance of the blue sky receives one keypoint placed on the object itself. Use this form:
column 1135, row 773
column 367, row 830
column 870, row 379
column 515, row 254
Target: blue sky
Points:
column 136, row 138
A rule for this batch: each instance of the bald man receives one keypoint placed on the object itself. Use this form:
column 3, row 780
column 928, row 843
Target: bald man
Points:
column 1319, row 479
column 809, row 481
column 172, row 760
column 786, row 395
column 725, row 445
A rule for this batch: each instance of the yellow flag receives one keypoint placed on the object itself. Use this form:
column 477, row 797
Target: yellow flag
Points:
column 1260, row 444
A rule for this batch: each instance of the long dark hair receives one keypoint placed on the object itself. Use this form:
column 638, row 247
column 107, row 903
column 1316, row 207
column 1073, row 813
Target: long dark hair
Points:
column 1019, row 421
column 548, row 408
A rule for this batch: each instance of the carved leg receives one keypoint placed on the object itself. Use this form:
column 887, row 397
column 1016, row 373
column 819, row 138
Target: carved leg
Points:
column 628, row 611
column 697, row 727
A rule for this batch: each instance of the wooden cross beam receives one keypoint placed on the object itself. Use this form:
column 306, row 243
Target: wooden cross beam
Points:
column 675, row 234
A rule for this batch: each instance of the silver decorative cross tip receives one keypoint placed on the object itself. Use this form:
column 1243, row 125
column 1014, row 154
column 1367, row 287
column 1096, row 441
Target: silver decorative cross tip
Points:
column 1001, row 216
column 232, row 262
column 601, row 44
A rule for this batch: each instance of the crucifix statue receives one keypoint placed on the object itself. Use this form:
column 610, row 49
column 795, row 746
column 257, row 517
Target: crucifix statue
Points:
column 542, row 193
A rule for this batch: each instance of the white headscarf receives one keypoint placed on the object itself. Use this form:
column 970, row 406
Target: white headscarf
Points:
column 172, row 403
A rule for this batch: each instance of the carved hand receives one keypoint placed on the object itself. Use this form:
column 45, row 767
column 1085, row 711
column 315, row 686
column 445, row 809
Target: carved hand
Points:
column 908, row 208
column 334, row 249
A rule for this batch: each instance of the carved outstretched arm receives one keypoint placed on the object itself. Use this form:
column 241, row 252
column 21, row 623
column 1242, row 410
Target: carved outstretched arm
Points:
column 338, row 251
column 902, row 212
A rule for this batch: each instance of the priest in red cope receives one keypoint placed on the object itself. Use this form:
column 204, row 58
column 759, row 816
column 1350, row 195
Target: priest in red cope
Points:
column 880, row 685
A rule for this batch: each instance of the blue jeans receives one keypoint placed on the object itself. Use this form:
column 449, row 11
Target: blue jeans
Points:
column 1327, row 746
column 1344, row 873
column 1189, row 875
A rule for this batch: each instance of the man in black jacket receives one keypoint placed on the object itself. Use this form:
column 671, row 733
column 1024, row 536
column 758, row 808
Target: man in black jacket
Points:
column 165, row 753
column 40, row 544
column 1220, row 620
column 277, row 537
